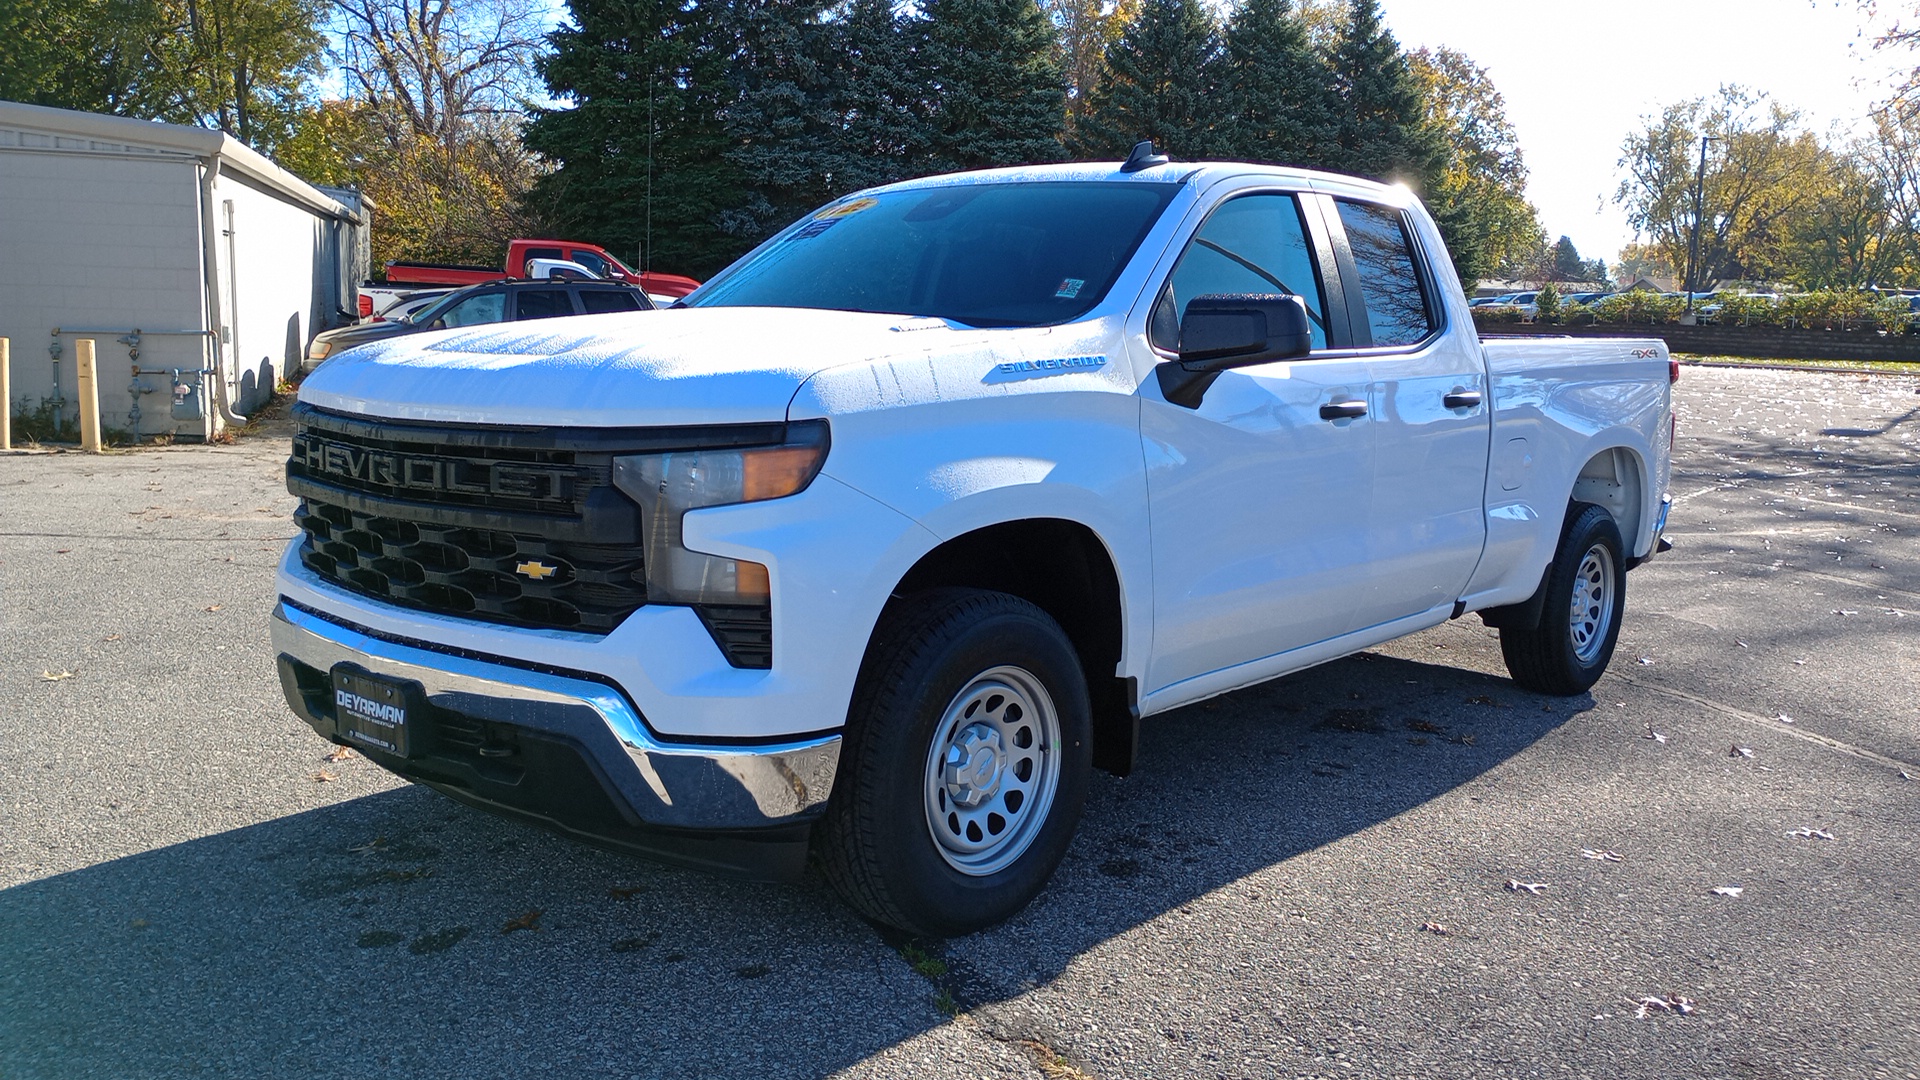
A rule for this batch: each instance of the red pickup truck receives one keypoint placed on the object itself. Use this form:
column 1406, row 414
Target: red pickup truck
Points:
column 661, row 287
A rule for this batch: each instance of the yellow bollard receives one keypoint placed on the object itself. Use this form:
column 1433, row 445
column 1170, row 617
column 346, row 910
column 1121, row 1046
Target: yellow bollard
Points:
column 6, row 394
column 85, row 375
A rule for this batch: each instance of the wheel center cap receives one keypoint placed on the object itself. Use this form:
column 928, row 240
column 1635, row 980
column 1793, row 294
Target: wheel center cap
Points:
column 971, row 769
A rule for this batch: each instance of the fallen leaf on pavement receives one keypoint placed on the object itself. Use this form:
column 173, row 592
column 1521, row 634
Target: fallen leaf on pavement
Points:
column 374, row 844
column 1810, row 834
column 213, row 607
column 49, row 676
column 1654, row 735
column 1784, row 718
column 112, row 637
column 529, row 921
column 1434, row 928
column 1605, row 856
column 340, row 753
column 1669, row 1004
column 324, row 777
column 1845, row 611
column 1729, row 890
column 1740, row 751
column 1534, row 887
column 63, row 551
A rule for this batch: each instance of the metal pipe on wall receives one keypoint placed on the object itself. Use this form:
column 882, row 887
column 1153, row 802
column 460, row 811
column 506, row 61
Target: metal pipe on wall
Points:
column 210, row 260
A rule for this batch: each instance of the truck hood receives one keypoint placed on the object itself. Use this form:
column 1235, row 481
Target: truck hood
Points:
column 650, row 368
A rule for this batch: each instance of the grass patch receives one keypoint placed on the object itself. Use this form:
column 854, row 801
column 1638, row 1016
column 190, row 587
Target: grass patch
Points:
column 927, row 965
column 1864, row 367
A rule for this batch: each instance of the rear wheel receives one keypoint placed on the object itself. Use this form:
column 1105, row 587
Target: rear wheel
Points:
column 1586, row 594
column 965, row 764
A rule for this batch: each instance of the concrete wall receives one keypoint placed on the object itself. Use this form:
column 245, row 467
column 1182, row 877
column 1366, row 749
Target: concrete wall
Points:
column 99, row 241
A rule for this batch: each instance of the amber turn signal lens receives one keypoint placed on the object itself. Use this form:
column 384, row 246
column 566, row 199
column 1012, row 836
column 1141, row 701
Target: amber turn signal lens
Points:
column 778, row 472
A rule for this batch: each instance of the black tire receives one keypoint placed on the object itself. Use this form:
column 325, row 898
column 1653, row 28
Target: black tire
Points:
column 1557, row 657
column 932, row 665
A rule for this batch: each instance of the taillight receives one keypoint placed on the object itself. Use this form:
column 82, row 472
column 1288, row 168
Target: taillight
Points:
column 1673, row 370
column 366, row 306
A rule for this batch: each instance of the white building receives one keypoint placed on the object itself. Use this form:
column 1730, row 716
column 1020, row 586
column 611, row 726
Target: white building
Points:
column 225, row 264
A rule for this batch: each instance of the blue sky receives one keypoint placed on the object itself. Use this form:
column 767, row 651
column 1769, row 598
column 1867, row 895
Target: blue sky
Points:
column 1578, row 77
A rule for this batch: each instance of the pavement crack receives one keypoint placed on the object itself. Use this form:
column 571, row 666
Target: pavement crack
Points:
column 1773, row 725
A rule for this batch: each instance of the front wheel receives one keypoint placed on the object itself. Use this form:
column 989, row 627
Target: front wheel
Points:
column 965, row 764
column 1586, row 594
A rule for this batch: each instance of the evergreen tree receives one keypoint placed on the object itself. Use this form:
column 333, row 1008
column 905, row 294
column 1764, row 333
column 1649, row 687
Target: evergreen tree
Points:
column 1382, row 130
column 641, row 159
column 779, row 121
column 1276, row 97
column 997, row 92
column 1159, row 85
column 879, row 101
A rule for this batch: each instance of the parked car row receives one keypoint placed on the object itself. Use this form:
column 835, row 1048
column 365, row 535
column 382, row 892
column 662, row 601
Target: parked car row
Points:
column 489, row 302
column 1529, row 302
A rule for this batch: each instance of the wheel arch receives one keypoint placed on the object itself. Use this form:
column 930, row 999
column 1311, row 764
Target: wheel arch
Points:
column 1067, row 570
column 1615, row 479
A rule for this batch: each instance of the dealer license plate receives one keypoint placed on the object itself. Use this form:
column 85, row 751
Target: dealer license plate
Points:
column 371, row 711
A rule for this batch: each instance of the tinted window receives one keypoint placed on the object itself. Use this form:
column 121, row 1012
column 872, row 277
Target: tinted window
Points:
column 485, row 308
column 544, row 303
column 986, row 254
column 1389, row 279
column 1253, row 244
column 601, row 301
column 591, row 261
column 533, row 253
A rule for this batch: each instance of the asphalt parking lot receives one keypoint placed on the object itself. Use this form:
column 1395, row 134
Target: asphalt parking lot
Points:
column 1397, row 865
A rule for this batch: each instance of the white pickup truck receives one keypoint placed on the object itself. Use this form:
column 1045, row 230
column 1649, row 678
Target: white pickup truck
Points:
column 896, row 528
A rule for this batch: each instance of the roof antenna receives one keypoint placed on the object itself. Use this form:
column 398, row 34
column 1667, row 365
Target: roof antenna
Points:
column 1143, row 157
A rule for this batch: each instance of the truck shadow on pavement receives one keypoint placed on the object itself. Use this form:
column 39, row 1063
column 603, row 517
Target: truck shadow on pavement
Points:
column 401, row 934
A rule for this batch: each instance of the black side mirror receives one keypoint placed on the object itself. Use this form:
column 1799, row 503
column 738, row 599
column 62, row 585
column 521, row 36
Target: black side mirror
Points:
column 1218, row 333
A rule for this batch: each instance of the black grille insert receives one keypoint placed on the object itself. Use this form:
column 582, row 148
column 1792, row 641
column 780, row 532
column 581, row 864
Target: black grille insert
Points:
column 512, row 578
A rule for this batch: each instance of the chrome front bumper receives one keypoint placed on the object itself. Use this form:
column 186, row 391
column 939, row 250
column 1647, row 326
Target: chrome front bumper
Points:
column 653, row 784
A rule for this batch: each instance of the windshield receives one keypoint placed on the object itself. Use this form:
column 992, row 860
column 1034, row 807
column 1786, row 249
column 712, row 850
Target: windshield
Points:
column 992, row 254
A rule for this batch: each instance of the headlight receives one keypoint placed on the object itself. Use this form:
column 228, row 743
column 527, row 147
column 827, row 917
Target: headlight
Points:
column 668, row 485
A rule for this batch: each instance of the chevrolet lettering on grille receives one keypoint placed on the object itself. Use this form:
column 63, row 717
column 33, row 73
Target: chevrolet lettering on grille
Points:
column 424, row 473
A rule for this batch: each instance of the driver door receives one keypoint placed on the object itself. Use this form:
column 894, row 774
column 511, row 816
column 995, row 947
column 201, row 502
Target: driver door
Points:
column 1259, row 501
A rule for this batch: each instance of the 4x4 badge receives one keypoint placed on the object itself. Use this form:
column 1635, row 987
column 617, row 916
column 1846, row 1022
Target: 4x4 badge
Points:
column 538, row 571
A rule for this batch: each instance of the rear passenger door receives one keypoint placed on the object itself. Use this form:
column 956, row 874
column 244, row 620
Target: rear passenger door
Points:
column 1431, row 425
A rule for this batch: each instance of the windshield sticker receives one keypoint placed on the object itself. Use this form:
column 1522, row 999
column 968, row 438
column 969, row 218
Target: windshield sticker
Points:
column 814, row 228
column 847, row 209
column 1040, row 369
column 1069, row 288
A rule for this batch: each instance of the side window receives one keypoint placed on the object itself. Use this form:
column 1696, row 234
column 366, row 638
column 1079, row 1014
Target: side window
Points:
column 1252, row 244
column 591, row 261
column 544, row 303
column 531, row 254
column 485, row 308
column 1389, row 277
column 602, row 301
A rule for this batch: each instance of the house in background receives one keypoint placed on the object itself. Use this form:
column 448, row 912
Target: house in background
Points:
column 224, row 263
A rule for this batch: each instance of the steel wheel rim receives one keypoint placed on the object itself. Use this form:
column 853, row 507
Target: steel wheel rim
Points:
column 992, row 769
column 1591, row 614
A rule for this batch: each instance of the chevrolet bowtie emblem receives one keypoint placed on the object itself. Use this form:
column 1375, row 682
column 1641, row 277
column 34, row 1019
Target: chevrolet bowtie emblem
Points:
column 538, row 571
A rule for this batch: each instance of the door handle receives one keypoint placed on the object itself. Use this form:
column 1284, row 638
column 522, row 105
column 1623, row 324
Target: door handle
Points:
column 1343, row 410
column 1462, row 399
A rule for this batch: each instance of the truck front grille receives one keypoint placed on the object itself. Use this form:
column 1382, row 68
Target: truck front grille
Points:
column 514, row 525
column 521, row 526
column 501, row 577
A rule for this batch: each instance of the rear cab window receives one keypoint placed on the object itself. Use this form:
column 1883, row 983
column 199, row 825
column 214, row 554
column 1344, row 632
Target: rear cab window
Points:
column 1399, row 305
